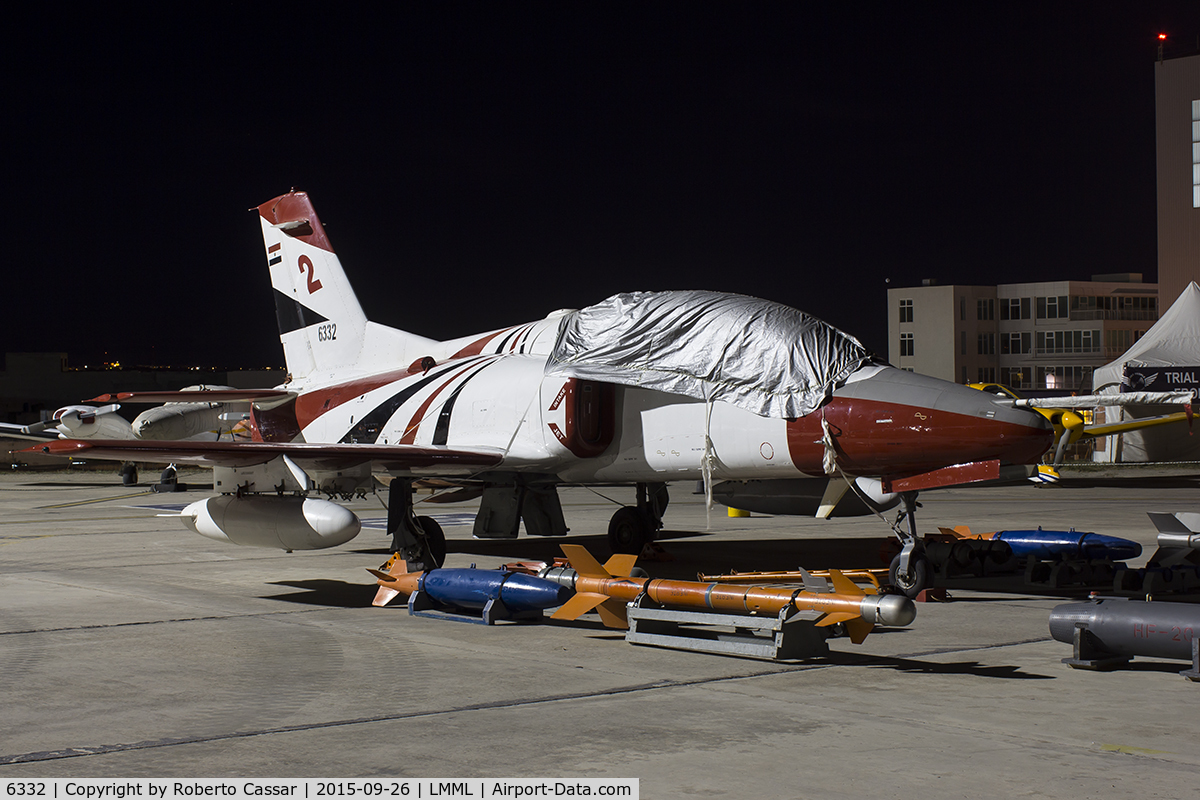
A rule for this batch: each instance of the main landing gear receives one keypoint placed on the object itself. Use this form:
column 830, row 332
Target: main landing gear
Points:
column 419, row 540
column 632, row 528
column 910, row 572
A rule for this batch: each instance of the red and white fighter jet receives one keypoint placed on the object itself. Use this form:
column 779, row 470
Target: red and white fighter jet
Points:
column 493, row 413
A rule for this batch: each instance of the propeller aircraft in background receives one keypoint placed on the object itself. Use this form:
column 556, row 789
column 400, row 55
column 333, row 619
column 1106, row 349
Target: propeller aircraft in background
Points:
column 1069, row 415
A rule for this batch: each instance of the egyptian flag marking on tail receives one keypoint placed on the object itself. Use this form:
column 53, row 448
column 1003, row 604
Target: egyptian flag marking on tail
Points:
column 273, row 255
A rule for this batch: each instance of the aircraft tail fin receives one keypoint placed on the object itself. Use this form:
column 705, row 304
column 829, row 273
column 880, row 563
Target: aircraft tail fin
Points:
column 321, row 324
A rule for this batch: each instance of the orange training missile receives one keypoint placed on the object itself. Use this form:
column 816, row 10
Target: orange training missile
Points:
column 609, row 587
column 394, row 579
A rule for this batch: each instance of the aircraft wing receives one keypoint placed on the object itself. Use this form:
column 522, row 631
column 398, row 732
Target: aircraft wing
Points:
column 37, row 432
column 265, row 397
column 1093, row 400
column 1134, row 424
column 245, row 454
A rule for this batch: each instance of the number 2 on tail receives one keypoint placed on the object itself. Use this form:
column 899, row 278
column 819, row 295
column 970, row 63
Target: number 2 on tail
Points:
column 313, row 283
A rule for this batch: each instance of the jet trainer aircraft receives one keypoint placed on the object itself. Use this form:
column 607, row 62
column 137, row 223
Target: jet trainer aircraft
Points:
column 642, row 389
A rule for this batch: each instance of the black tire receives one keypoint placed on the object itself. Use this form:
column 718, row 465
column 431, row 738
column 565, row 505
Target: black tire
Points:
column 921, row 578
column 628, row 531
column 129, row 476
column 435, row 537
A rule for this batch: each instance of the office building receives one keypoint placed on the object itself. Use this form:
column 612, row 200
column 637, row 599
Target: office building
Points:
column 1177, row 125
column 1031, row 336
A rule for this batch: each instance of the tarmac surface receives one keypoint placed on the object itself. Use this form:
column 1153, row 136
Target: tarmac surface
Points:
column 131, row 647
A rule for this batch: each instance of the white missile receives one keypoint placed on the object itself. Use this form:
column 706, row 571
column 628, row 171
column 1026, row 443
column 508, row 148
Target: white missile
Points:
column 286, row 523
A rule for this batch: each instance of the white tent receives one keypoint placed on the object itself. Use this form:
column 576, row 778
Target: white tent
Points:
column 1173, row 341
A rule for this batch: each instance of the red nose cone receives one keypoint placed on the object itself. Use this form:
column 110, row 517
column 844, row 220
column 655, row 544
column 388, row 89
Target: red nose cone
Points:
column 894, row 424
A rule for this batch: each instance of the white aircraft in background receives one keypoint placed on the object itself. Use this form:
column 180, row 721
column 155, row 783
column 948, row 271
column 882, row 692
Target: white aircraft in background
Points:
column 640, row 390
column 74, row 422
column 193, row 421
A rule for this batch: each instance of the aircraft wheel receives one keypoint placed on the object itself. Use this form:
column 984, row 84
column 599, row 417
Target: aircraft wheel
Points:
column 436, row 538
column 911, row 585
column 628, row 531
column 129, row 476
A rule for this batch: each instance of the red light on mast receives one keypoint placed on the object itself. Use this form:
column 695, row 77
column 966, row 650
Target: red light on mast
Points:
column 1162, row 37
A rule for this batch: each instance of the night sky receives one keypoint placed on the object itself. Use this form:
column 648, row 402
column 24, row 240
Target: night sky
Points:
column 479, row 165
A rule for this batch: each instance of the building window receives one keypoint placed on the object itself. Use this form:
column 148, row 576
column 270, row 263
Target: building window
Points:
column 1069, row 342
column 987, row 344
column 906, row 344
column 1074, row 379
column 1196, row 154
column 985, row 309
column 1052, row 307
column 1015, row 308
column 1117, row 342
column 987, row 374
column 1014, row 343
column 906, row 310
column 964, row 374
column 1119, row 307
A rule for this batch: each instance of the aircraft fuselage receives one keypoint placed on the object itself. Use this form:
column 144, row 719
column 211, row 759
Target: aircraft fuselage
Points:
column 495, row 393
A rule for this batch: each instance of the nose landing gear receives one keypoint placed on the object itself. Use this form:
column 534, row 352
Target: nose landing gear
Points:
column 910, row 572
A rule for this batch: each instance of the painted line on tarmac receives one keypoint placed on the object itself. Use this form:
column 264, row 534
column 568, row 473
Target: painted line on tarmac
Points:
column 160, row 622
column 93, row 500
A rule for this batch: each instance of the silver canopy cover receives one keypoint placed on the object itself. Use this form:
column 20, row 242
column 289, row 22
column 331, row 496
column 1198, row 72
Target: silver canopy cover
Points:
column 756, row 354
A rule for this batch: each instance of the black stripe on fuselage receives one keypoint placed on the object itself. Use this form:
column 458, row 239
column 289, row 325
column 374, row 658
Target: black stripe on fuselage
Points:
column 292, row 316
column 504, row 341
column 441, row 431
column 367, row 429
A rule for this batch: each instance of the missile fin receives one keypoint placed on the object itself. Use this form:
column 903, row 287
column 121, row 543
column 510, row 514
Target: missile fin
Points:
column 612, row 614
column 843, row 585
column 394, row 566
column 834, row 617
column 620, row 565
column 384, row 596
column 579, row 605
column 388, row 577
column 583, row 562
column 858, row 628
